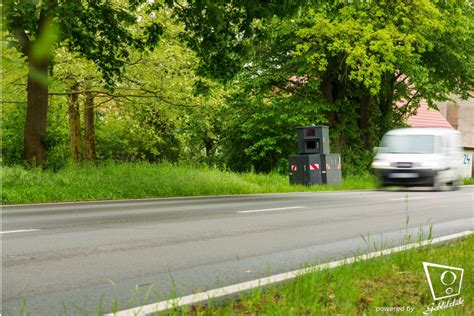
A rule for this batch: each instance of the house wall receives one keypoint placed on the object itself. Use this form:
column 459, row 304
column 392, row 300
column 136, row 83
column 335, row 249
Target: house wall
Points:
column 460, row 114
column 468, row 164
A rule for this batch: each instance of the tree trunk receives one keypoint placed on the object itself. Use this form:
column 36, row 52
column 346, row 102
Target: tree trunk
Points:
column 332, row 93
column 74, row 124
column 364, row 120
column 36, row 111
column 386, row 101
column 326, row 88
column 208, row 145
column 37, row 90
column 89, row 128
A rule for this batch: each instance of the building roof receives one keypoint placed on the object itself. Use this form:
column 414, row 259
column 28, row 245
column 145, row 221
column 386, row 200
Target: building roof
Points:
column 427, row 117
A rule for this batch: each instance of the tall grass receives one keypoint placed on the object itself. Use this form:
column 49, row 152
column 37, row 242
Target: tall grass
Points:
column 360, row 288
column 111, row 181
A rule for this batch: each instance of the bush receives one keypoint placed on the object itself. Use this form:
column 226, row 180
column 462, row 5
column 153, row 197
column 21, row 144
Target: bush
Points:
column 261, row 134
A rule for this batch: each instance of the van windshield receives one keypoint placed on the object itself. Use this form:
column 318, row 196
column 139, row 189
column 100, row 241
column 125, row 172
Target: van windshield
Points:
column 408, row 144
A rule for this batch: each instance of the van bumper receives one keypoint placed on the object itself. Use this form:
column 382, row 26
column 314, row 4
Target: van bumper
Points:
column 407, row 177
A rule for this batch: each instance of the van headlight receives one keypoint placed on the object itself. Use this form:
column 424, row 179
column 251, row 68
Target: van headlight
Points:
column 380, row 164
column 430, row 164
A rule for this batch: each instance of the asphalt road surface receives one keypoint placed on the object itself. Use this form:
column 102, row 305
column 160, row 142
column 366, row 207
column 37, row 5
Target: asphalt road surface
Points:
column 83, row 257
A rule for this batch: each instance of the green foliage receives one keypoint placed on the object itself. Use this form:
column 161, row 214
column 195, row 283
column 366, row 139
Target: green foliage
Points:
column 356, row 158
column 13, row 117
column 14, row 112
column 260, row 133
column 100, row 31
column 146, row 134
column 420, row 39
column 167, row 121
column 13, row 105
column 285, row 64
column 219, row 31
column 57, row 139
column 352, row 62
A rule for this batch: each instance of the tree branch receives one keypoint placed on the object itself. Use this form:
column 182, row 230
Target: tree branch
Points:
column 23, row 40
column 294, row 91
column 102, row 94
column 19, row 102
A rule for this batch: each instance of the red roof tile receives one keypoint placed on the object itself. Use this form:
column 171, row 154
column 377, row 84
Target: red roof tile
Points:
column 428, row 117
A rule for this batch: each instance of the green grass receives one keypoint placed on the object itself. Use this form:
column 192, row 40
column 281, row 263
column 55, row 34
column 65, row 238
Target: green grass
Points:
column 397, row 280
column 143, row 180
column 469, row 181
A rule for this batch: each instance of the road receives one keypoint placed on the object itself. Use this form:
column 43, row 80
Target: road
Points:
column 83, row 257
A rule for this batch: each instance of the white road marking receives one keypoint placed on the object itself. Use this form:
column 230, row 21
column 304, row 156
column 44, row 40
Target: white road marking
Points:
column 271, row 209
column 19, row 231
column 232, row 289
column 410, row 198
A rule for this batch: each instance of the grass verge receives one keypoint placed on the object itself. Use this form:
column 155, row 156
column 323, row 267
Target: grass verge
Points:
column 372, row 287
column 112, row 181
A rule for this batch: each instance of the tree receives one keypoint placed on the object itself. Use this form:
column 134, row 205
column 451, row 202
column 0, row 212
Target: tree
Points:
column 74, row 124
column 373, row 54
column 99, row 31
column 220, row 30
column 148, row 115
column 104, row 31
column 355, row 61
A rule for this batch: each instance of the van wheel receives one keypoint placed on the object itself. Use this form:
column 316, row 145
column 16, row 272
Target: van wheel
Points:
column 455, row 185
column 437, row 185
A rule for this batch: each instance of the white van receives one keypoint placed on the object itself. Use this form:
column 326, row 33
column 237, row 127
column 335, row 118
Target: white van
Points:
column 420, row 157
